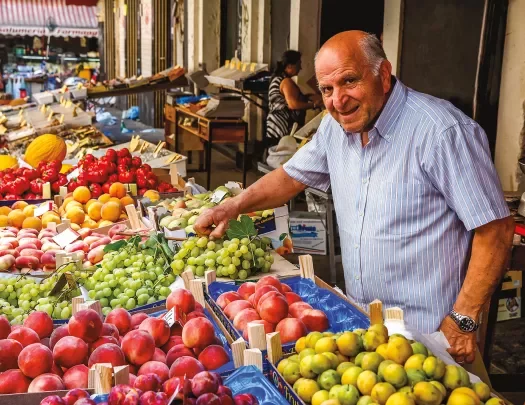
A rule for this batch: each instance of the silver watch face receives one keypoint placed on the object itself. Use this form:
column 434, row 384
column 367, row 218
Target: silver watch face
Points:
column 466, row 324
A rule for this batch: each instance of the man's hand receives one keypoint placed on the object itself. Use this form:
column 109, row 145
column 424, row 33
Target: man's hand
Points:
column 463, row 344
column 218, row 217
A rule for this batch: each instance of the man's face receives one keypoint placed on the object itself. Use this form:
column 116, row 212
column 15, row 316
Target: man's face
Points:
column 352, row 94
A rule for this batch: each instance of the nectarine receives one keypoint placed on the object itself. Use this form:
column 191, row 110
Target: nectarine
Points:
column 291, row 329
column 138, row 346
column 70, row 351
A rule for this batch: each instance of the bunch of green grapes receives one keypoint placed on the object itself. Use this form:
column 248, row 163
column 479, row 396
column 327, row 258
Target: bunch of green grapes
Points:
column 236, row 259
column 130, row 277
column 21, row 295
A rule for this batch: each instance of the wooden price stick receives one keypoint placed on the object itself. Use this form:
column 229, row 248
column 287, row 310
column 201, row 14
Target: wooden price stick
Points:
column 394, row 313
column 187, row 276
column 76, row 302
column 46, row 190
column 256, row 336
column 274, row 347
column 94, row 305
column 210, row 276
column 306, row 266
column 133, row 217
column 120, row 375
column 103, row 378
column 253, row 357
column 238, row 348
column 197, row 291
column 376, row 312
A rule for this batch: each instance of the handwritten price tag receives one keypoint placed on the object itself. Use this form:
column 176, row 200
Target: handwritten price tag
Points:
column 48, row 206
column 218, row 196
column 67, row 237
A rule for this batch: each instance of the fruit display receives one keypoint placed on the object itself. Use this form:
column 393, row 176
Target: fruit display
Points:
column 369, row 367
column 113, row 167
column 26, row 184
column 238, row 256
column 87, row 208
column 272, row 304
column 21, row 215
column 36, row 358
column 45, row 148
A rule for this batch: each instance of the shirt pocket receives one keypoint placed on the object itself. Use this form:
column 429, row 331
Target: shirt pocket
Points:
column 401, row 208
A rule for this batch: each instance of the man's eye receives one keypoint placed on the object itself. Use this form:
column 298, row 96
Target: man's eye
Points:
column 349, row 80
column 325, row 90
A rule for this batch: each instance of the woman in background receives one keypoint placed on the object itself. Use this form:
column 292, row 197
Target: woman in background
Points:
column 287, row 103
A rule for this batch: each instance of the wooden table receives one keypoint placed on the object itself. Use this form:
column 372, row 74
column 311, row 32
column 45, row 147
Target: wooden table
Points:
column 208, row 131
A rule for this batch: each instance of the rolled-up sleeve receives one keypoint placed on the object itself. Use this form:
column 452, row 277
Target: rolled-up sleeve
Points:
column 461, row 168
column 309, row 164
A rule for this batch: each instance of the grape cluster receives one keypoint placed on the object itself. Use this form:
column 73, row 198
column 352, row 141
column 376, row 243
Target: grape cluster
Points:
column 129, row 277
column 20, row 295
column 236, row 259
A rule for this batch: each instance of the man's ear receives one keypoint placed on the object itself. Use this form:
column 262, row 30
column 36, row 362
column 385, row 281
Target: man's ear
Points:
column 385, row 71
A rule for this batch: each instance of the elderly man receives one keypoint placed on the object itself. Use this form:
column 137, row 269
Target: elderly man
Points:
column 422, row 219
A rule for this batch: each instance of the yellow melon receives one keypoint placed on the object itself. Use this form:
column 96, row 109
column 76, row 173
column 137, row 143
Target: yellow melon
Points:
column 7, row 162
column 45, row 148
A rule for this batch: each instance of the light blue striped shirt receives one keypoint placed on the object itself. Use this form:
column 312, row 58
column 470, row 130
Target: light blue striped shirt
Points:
column 407, row 202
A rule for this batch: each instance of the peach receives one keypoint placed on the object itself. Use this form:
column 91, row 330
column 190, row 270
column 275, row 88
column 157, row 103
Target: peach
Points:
column 136, row 319
column 291, row 329
column 244, row 317
column 74, row 395
column 147, row 382
column 286, row 288
column 234, row 307
column 186, row 366
column 9, row 351
column 138, row 347
column 298, row 307
column 77, row 247
column 102, row 341
column 115, row 229
column 208, row 399
column 273, row 309
column 174, row 340
column 266, row 296
column 315, row 320
column 132, row 379
column 155, row 367
column 176, row 352
column 52, row 400
column 57, row 370
column 171, row 385
column 22, row 262
column 48, row 259
column 58, row 334
column 35, row 359
column 154, row 398
column 268, row 328
column 225, row 298
column 121, row 319
column 292, row 297
column 32, row 252
column 246, row 289
column 76, row 377
column 70, row 351
column 158, row 329
column 182, row 298
column 198, row 332
column 260, row 292
column 45, row 342
column 13, row 382
column 195, row 314
column 199, row 307
column 124, row 394
column 46, row 382
column 204, row 383
column 107, row 353
column 159, row 355
column 108, row 329
column 213, row 357
column 269, row 280
column 86, row 325
column 96, row 255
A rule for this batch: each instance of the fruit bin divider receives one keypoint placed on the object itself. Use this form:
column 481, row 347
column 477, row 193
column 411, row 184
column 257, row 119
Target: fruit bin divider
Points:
column 313, row 290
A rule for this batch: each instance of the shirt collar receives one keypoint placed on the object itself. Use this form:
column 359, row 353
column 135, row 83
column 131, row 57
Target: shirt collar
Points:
column 393, row 107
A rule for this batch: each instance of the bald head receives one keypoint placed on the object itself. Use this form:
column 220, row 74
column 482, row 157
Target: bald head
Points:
column 354, row 78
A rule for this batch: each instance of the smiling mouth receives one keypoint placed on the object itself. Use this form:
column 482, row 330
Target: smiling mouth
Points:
column 349, row 113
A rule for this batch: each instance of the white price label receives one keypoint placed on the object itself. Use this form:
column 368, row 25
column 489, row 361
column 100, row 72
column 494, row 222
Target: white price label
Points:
column 65, row 238
column 218, row 196
column 74, row 174
column 170, row 317
column 48, row 206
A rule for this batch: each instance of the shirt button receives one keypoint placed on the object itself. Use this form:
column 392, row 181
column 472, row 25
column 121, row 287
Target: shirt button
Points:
column 356, row 246
column 364, row 181
column 361, row 214
column 357, row 278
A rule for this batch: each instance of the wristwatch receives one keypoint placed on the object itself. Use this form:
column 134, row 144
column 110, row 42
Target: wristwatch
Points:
column 465, row 323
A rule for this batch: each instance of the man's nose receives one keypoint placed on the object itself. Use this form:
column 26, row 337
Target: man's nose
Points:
column 339, row 99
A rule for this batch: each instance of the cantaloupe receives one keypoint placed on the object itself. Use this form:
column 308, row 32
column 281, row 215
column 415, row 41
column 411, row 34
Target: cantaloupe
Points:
column 45, row 148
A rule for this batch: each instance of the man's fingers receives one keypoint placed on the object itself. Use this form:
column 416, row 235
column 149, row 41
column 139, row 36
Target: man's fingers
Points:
column 203, row 225
column 219, row 230
column 470, row 357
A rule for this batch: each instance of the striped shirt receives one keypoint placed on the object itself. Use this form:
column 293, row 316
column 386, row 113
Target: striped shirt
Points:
column 280, row 118
column 407, row 203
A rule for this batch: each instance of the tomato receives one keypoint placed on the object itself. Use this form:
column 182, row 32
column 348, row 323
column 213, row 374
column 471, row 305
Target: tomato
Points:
column 146, row 167
column 113, row 178
column 36, row 186
column 136, row 162
column 124, row 152
column 141, row 191
column 111, row 154
column 124, row 161
column 105, row 187
column 126, row 177
column 96, row 190
column 142, row 182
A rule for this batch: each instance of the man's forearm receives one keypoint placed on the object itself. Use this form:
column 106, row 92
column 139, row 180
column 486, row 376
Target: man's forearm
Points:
column 271, row 191
column 490, row 249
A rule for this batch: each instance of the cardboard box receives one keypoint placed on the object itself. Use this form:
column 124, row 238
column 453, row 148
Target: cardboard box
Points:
column 510, row 308
column 275, row 226
column 513, row 279
column 308, row 233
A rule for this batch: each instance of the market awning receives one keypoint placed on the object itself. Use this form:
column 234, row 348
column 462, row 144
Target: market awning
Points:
column 37, row 17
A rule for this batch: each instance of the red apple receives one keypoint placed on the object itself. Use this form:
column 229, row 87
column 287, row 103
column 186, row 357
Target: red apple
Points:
column 35, row 359
column 40, row 322
column 58, row 334
column 185, row 366
column 5, row 327
column 24, row 335
column 86, row 325
column 46, row 382
column 121, row 319
column 13, row 382
column 291, row 329
column 9, row 351
column 224, row 390
column 225, row 298
column 246, row 289
column 234, row 307
column 213, row 357
column 161, row 370
column 107, row 353
column 76, row 377
column 182, row 298
column 138, row 346
column 198, row 332
column 136, row 319
column 70, row 351
column 85, row 401
column 158, row 329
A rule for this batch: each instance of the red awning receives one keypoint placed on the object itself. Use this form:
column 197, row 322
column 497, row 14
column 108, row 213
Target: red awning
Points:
column 32, row 17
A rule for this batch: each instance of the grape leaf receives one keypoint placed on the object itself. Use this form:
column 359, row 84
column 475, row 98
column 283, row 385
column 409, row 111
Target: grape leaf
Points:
column 114, row 246
column 244, row 228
